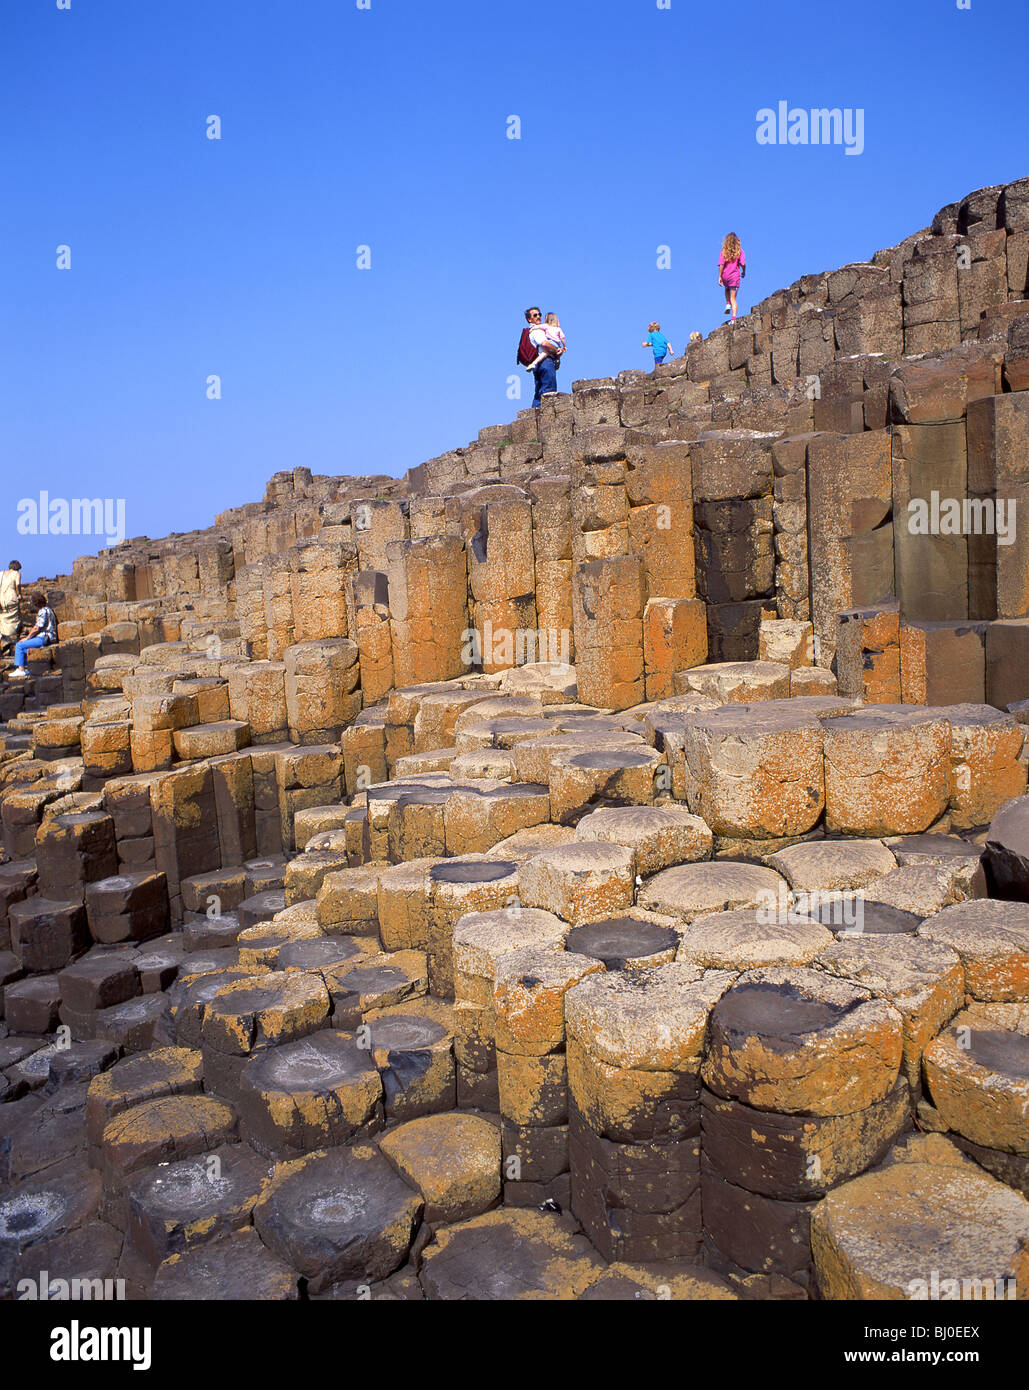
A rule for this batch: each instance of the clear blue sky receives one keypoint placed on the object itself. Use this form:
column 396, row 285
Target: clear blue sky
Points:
column 387, row 127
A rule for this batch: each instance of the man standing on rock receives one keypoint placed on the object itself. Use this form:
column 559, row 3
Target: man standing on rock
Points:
column 535, row 340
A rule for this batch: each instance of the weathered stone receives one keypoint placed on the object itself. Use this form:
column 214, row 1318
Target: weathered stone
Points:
column 992, row 940
column 794, row 1041
column 833, row 865
column 659, row 836
column 978, row 1078
column 647, row 1020
column 886, row 771
column 183, row 1206
column 275, row 1007
column 339, row 1215
column 508, row 1255
column 310, row 1094
column 578, row 882
column 756, row 771
column 171, row 1127
column 798, row 1157
column 528, row 997
column 921, row 979
column 453, row 1160
column 691, row 890
column 748, row 939
column 887, row 1234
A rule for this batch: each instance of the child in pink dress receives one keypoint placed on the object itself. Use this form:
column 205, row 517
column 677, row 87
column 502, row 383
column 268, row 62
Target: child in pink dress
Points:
column 556, row 345
column 732, row 266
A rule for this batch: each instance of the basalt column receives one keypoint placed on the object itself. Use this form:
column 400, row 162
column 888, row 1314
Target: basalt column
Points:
column 634, row 1050
column 501, row 586
column 428, row 608
column 532, row 1073
column 732, row 478
column 802, row 1091
column 372, row 634
column 850, row 500
column 608, row 598
column 321, row 577
column 376, row 523
column 552, row 548
column 998, row 486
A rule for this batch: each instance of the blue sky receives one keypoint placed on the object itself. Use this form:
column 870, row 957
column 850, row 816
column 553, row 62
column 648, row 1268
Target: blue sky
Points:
column 387, row 127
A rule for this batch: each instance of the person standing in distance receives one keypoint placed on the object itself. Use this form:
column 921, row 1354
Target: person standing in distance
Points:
column 10, row 605
column 535, row 340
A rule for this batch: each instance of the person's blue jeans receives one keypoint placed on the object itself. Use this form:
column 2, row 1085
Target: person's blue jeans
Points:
column 660, row 361
column 20, row 648
column 545, row 377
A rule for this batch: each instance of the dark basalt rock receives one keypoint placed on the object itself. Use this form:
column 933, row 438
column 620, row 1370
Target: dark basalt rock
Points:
column 618, row 940
column 472, row 871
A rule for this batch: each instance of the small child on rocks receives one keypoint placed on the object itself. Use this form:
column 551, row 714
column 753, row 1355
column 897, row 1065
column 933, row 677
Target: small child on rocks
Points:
column 659, row 344
column 732, row 266
column 557, row 344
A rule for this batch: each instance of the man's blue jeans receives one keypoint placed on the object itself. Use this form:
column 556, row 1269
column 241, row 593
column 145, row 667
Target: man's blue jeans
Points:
column 20, row 648
column 545, row 377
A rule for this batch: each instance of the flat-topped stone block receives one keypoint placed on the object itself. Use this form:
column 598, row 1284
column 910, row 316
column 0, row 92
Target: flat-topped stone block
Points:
column 482, row 939
column 259, row 946
column 310, row 1094
column 533, row 758
column 475, row 820
column 528, row 997
column 275, row 1007
column 177, row 1207
column 921, row 979
column 736, row 682
column 833, row 865
column 452, row 1160
column 924, row 889
column 466, row 883
column 578, row 777
column 887, row 1234
column 991, row 937
column 757, row 770
column 978, row 1077
column 745, row 940
column 691, row 890
column 659, row 836
column 170, row 1127
column 635, row 939
column 887, row 770
column 793, row 1040
column 510, row 1254
column 165, row 1071
column 374, row 982
column 986, row 770
column 344, row 1214
column 651, row 1019
column 580, row 881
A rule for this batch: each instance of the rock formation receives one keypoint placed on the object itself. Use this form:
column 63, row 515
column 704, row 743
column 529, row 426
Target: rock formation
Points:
column 595, row 865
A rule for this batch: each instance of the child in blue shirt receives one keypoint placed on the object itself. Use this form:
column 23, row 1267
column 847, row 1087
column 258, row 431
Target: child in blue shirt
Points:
column 662, row 348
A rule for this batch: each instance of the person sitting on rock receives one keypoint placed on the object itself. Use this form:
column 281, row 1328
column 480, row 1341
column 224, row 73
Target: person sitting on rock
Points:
column 10, row 605
column 43, row 634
